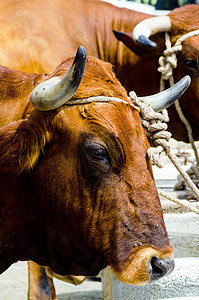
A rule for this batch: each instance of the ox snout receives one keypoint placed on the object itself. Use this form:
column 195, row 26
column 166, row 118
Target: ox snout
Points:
column 146, row 265
column 161, row 267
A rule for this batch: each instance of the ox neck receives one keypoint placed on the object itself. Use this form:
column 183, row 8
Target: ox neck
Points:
column 108, row 48
column 111, row 17
column 17, row 214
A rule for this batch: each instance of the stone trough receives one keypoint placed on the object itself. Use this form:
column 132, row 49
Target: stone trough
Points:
column 183, row 282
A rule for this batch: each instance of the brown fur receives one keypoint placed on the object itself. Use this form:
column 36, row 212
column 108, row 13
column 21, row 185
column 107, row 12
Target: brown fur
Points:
column 15, row 87
column 18, row 86
column 36, row 37
column 48, row 169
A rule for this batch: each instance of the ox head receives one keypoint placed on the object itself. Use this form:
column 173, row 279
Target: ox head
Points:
column 147, row 41
column 90, row 184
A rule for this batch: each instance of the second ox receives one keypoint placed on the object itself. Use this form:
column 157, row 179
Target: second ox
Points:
column 77, row 190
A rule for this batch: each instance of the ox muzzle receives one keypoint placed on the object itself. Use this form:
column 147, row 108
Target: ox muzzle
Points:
column 146, row 265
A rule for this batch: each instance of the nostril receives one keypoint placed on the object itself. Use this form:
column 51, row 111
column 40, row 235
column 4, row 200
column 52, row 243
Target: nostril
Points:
column 157, row 271
column 161, row 267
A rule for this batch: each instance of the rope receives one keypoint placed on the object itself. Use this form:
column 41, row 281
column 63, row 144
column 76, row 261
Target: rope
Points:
column 155, row 130
column 175, row 200
column 168, row 62
column 159, row 137
column 184, row 174
column 193, row 173
column 96, row 99
column 189, row 130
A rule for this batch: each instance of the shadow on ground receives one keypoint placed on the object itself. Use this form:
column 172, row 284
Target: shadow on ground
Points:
column 87, row 295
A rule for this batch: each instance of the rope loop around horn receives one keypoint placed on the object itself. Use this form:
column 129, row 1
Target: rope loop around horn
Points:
column 156, row 131
column 159, row 139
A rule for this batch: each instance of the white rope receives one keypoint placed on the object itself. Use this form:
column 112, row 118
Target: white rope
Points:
column 175, row 200
column 155, row 130
column 168, row 62
column 186, row 36
column 97, row 99
column 159, row 137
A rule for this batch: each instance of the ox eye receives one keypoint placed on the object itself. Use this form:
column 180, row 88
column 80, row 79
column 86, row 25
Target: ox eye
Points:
column 192, row 64
column 98, row 153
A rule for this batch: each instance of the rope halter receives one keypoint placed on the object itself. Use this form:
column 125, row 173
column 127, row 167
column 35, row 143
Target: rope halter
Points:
column 168, row 61
column 159, row 137
column 155, row 130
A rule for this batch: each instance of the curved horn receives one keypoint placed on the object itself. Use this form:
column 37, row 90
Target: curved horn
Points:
column 54, row 92
column 148, row 27
column 164, row 99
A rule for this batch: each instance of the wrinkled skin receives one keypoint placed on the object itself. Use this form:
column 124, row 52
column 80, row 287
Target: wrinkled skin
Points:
column 88, row 162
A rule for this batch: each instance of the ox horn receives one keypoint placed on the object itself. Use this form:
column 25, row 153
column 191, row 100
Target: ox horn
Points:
column 54, row 92
column 164, row 99
column 148, row 27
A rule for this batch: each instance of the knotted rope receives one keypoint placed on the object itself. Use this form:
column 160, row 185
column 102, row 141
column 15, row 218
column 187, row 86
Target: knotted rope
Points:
column 155, row 130
column 168, row 62
column 159, row 137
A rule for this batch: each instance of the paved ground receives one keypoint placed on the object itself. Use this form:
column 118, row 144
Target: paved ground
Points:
column 13, row 282
column 13, row 286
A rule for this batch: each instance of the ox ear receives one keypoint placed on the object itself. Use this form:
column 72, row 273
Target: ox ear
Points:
column 21, row 144
column 128, row 41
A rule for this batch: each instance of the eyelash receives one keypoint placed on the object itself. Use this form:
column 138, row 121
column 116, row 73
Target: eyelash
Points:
column 99, row 154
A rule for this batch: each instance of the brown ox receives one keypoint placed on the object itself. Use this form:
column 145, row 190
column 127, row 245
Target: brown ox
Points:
column 36, row 35
column 86, row 164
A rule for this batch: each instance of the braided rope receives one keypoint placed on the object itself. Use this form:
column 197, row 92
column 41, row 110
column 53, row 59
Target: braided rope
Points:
column 168, row 62
column 96, row 99
column 159, row 137
column 175, row 200
column 155, row 130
